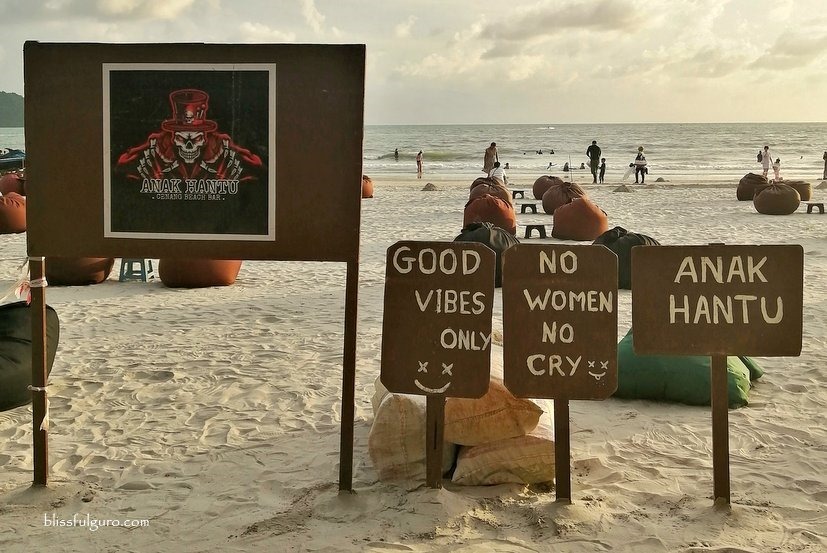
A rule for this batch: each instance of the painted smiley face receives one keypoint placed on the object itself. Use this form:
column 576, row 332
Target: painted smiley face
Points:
column 603, row 365
column 423, row 368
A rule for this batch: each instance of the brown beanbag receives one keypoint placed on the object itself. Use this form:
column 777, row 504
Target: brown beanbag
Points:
column 367, row 187
column 544, row 183
column 561, row 194
column 749, row 185
column 491, row 209
column 13, row 182
column 777, row 199
column 804, row 188
column 579, row 219
column 12, row 213
column 491, row 189
column 78, row 271
column 198, row 273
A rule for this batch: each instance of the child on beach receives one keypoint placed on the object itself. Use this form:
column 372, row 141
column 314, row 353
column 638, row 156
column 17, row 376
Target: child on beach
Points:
column 776, row 168
column 419, row 165
column 602, row 168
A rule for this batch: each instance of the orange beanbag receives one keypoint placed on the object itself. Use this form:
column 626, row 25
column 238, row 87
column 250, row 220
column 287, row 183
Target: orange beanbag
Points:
column 579, row 219
column 492, row 189
column 13, row 182
column 491, row 209
column 198, row 273
column 749, row 185
column 777, row 199
column 542, row 184
column 12, row 213
column 78, row 271
column 367, row 187
column 561, row 194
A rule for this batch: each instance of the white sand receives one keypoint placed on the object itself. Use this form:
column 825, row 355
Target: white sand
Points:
column 215, row 413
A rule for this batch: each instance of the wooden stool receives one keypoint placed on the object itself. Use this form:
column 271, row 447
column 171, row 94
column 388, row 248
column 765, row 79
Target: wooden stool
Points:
column 528, row 207
column 811, row 205
column 515, row 192
column 136, row 269
column 541, row 230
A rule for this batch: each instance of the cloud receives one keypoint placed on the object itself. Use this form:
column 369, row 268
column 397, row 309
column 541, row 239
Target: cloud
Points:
column 524, row 67
column 313, row 17
column 551, row 18
column 709, row 62
column 403, row 30
column 102, row 10
column 258, row 32
column 791, row 51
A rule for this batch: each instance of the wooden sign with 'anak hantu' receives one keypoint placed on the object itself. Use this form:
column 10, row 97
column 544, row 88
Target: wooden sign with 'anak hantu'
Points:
column 436, row 329
column 718, row 299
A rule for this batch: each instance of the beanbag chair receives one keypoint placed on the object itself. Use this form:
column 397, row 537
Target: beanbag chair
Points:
column 367, row 187
column 679, row 378
column 492, row 189
column 621, row 242
column 804, row 188
column 494, row 237
column 522, row 460
column 776, row 199
column 542, row 184
column 497, row 415
column 490, row 209
column 561, row 194
column 396, row 442
column 13, row 182
column 579, row 219
column 12, row 213
column 198, row 273
column 748, row 185
column 78, row 271
column 16, row 351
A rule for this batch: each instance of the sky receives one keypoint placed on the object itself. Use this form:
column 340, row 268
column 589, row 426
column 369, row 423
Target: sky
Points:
column 499, row 61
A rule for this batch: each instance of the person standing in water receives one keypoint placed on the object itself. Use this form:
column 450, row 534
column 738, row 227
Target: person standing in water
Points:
column 396, row 154
column 419, row 165
column 824, row 157
column 602, row 169
column 489, row 158
column 640, row 166
column 766, row 160
column 776, row 169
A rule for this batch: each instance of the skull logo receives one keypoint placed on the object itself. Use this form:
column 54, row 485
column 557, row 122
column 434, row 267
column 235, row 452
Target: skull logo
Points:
column 189, row 145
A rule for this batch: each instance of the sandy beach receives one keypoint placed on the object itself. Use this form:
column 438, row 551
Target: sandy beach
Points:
column 214, row 414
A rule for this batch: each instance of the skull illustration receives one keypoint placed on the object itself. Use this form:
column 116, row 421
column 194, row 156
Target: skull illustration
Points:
column 189, row 145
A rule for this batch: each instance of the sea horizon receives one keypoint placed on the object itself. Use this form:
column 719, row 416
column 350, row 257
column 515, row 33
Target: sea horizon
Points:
column 675, row 151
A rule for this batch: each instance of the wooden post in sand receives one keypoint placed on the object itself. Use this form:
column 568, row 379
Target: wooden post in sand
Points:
column 436, row 329
column 720, row 427
column 40, row 406
column 559, row 332
column 718, row 300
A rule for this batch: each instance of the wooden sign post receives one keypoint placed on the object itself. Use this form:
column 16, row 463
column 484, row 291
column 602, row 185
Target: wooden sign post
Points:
column 718, row 300
column 205, row 151
column 436, row 329
column 560, row 332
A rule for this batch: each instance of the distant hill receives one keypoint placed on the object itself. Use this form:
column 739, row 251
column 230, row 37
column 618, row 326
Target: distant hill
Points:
column 11, row 109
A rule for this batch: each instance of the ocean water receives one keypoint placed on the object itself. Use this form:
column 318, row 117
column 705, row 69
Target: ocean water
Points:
column 677, row 152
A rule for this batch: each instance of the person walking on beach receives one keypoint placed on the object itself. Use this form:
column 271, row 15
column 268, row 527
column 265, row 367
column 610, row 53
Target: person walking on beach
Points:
column 776, row 169
column 419, row 165
column 593, row 152
column 489, row 158
column 824, row 157
column 640, row 166
column 498, row 174
column 602, row 169
column 766, row 160
column 396, row 154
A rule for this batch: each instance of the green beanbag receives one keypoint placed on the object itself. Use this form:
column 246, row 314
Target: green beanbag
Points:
column 679, row 378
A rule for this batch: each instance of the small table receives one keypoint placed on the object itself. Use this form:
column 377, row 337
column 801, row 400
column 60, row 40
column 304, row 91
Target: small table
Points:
column 540, row 228
column 136, row 269
column 528, row 206
column 811, row 205
column 515, row 192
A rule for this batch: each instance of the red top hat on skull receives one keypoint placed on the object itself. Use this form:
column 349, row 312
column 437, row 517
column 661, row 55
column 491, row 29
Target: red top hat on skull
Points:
column 189, row 112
